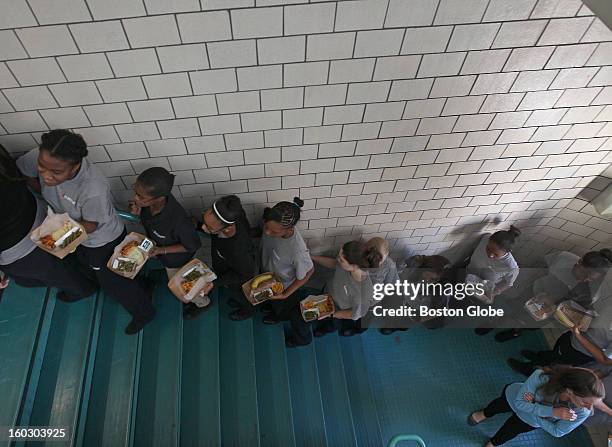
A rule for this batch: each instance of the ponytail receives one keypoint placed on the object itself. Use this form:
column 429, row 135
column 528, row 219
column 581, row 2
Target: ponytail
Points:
column 359, row 254
column 506, row 239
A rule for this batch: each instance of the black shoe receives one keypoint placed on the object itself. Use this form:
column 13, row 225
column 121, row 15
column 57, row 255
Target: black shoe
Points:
column 507, row 335
column 270, row 319
column 266, row 310
column 524, row 368
column 529, row 355
column 291, row 342
column 482, row 331
column 136, row 326
column 387, row 331
column 191, row 311
column 240, row 315
column 234, row 303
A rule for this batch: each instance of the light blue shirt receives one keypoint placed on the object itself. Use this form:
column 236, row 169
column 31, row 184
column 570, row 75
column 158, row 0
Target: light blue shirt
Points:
column 540, row 413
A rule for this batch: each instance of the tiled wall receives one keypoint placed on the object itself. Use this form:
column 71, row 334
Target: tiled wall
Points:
column 424, row 121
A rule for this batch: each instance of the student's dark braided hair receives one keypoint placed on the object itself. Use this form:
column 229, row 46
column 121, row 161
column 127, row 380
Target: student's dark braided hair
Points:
column 285, row 213
column 64, row 144
column 157, row 181
column 506, row 239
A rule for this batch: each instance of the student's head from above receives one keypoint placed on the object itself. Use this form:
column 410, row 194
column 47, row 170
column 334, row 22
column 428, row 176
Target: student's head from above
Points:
column 152, row 187
column 501, row 242
column 220, row 219
column 357, row 255
column 581, row 386
column 593, row 265
column 379, row 249
column 60, row 155
column 433, row 267
column 280, row 220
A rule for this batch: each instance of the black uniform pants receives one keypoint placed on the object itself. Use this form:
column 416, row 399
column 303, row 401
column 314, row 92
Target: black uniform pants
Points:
column 513, row 426
column 130, row 293
column 41, row 269
column 563, row 353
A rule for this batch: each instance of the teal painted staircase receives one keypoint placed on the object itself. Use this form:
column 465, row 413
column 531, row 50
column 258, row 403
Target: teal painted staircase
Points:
column 206, row 382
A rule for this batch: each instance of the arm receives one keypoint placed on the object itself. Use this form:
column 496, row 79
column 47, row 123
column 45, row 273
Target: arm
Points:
column 89, row 226
column 563, row 427
column 170, row 249
column 294, row 286
column 531, row 386
column 601, row 406
column 595, row 351
column 344, row 314
column 325, row 261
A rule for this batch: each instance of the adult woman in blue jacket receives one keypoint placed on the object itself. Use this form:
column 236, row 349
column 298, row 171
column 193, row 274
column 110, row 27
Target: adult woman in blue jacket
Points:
column 556, row 399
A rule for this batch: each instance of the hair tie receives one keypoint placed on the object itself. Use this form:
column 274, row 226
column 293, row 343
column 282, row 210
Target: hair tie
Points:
column 220, row 216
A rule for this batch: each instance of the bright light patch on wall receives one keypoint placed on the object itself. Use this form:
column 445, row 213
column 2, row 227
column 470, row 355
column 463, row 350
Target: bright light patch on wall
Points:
column 603, row 202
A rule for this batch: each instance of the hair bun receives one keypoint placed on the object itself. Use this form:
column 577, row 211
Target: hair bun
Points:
column 299, row 202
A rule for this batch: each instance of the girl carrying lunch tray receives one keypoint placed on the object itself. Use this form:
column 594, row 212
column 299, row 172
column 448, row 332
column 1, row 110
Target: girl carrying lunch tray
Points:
column 60, row 171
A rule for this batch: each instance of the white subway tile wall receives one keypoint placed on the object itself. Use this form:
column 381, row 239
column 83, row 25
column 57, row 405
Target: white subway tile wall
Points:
column 427, row 122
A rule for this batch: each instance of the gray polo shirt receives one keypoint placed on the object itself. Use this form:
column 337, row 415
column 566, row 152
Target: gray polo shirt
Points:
column 385, row 273
column 350, row 294
column 288, row 258
column 497, row 270
column 85, row 197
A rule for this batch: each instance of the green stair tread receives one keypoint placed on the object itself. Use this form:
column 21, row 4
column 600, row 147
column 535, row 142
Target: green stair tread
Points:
column 308, row 419
column 110, row 404
column 21, row 311
column 239, row 413
column 334, row 391
column 363, row 406
column 158, row 402
column 273, row 393
column 59, row 389
column 200, row 416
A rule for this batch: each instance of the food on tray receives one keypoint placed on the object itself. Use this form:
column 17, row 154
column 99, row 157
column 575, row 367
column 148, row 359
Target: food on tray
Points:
column 311, row 314
column 540, row 307
column 317, row 307
column 262, row 287
column 263, row 295
column 190, row 278
column 258, row 280
column 277, row 288
column 125, row 265
column 186, row 286
column 131, row 251
column 61, row 237
column 570, row 315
